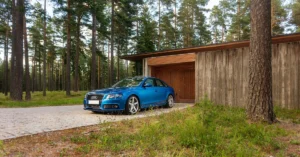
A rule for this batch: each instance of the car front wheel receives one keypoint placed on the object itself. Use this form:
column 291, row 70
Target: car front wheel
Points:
column 132, row 105
column 170, row 101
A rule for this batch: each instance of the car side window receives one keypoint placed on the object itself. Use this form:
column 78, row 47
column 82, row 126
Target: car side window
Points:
column 149, row 81
column 159, row 83
column 165, row 84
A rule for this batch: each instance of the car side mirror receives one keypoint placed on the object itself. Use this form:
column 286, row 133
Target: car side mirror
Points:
column 147, row 85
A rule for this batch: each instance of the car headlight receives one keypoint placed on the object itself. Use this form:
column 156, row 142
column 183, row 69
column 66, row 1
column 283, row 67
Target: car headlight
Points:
column 113, row 96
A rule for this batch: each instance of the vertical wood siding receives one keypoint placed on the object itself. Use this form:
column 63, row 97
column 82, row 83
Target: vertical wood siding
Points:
column 223, row 75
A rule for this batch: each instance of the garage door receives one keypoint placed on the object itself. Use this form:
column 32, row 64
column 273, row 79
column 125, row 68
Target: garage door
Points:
column 181, row 77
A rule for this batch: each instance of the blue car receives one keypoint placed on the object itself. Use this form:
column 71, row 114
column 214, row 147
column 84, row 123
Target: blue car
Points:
column 130, row 95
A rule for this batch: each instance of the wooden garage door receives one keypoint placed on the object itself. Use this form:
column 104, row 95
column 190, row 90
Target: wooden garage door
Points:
column 181, row 77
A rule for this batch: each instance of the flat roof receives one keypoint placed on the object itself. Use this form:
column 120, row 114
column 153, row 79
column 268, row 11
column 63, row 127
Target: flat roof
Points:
column 211, row 47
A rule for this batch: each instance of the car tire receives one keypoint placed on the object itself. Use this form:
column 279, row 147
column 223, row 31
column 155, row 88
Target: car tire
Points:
column 132, row 105
column 170, row 101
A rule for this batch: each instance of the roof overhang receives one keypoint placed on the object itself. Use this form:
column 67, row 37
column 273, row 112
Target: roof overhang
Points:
column 212, row 47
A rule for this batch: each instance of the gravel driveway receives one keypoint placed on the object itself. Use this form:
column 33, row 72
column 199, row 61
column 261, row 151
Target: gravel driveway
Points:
column 16, row 122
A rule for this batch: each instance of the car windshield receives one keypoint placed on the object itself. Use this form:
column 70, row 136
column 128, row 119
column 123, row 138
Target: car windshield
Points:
column 129, row 82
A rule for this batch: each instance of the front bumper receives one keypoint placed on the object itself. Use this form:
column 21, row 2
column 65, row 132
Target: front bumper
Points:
column 105, row 105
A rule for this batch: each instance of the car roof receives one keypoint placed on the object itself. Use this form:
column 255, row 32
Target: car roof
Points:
column 142, row 77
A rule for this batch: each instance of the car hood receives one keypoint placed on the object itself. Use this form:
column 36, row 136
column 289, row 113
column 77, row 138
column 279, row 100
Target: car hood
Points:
column 110, row 90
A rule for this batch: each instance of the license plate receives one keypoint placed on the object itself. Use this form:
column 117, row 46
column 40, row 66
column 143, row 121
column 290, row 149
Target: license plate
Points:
column 94, row 102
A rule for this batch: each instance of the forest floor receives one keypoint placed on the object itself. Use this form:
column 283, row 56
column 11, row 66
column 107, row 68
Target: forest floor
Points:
column 53, row 98
column 202, row 130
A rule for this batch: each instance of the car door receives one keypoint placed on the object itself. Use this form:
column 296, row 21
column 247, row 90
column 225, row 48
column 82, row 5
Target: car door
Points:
column 160, row 92
column 148, row 94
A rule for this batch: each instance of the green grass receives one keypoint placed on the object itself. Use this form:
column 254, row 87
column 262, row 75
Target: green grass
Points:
column 55, row 98
column 1, row 144
column 293, row 115
column 295, row 142
column 1, row 148
column 203, row 130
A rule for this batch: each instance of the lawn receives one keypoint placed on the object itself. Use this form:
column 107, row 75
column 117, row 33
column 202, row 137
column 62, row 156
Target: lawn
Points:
column 202, row 130
column 55, row 98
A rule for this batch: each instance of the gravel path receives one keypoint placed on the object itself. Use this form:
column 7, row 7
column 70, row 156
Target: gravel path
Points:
column 16, row 122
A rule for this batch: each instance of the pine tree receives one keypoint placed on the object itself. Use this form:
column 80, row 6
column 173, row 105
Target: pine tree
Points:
column 191, row 23
column 93, row 64
column 168, row 33
column 5, row 18
column 80, row 11
column 147, row 33
column 295, row 19
column 240, row 26
column 27, row 75
column 278, row 16
column 260, row 103
column 17, row 57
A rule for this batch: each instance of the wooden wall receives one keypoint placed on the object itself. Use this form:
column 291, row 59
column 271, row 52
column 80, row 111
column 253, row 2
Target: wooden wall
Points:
column 179, row 76
column 223, row 75
column 173, row 59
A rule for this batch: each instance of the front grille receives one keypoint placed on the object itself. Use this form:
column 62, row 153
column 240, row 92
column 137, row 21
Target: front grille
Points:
column 95, row 97
column 111, row 106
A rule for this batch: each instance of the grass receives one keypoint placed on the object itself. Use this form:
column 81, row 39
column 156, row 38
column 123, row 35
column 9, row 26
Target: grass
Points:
column 54, row 98
column 295, row 142
column 293, row 115
column 203, row 130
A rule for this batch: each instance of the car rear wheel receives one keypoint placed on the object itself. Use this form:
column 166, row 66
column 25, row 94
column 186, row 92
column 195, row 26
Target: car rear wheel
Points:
column 132, row 105
column 170, row 101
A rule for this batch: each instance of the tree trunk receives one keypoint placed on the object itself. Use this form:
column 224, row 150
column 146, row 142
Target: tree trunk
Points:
column 45, row 52
column 40, row 70
column 137, row 35
column 158, row 44
column 118, row 61
column 58, row 77
column 33, row 69
column 27, row 76
column 63, row 73
column 112, row 44
column 16, row 90
column 223, row 33
column 175, row 15
column 53, row 80
column 93, row 66
column 6, row 62
column 260, row 104
column 13, row 49
column 127, row 72
column 68, row 65
column 108, row 63
column 99, row 72
column 77, row 55
column 49, row 76
column 239, row 19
